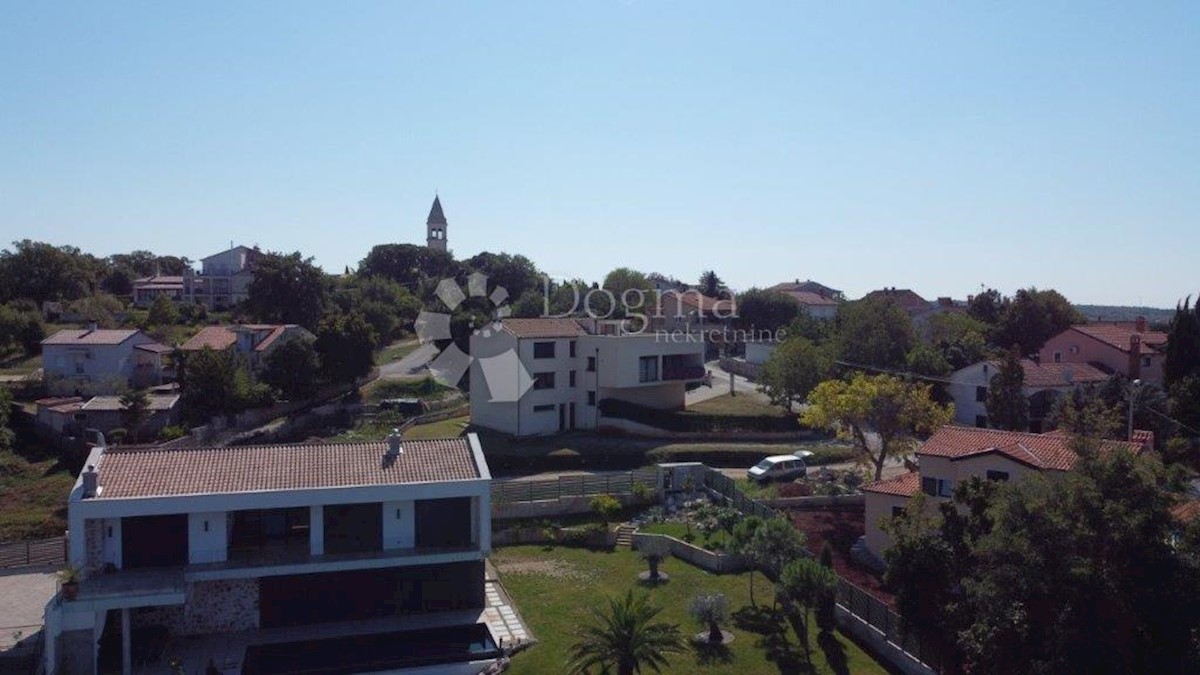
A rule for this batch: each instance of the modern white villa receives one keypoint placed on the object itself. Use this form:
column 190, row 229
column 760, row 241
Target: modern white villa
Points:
column 546, row 375
column 354, row 557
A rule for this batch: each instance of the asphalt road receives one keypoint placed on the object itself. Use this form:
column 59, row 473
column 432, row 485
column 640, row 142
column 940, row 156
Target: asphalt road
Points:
column 410, row 366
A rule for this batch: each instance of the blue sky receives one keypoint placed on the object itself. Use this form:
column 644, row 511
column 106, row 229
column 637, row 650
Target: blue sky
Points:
column 931, row 146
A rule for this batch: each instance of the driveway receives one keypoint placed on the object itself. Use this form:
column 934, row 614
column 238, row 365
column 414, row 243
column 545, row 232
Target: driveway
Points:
column 720, row 386
column 24, row 592
column 411, row 366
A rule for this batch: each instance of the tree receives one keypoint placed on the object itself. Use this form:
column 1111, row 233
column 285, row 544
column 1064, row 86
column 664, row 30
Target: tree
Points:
column 20, row 329
column 881, row 413
column 345, row 343
column 625, row 639
column 516, row 274
column 874, row 332
column 710, row 610
column 135, row 410
column 793, row 370
column 1007, row 406
column 209, row 384
column 1032, row 318
column 1183, row 344
column 826, row 604
column 961, row 339
column 711, row 284
column 409, row 265
column 606, row 507
column 292, row 368
column 632, row 292
column 806, row 583
column 742, row 533
column 286, row 289
column 765, row 310
column 40, row 271
column 987, row 306
column 654, row 551
column 163, row 312
column 6, row 434
column 924, row 359
column 773, row 543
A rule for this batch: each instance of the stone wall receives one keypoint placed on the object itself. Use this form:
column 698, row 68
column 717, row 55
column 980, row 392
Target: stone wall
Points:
column 93, row 532
column 720, row 563
column 210, row 607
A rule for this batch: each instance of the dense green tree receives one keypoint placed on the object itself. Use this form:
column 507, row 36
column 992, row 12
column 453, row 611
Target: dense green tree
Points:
column 1032, row 318
column 1184, row 405
column 880, row 413
column 808, row 584
column 135, row 410
column 163, row 312
column 771, row 546
column 874, row 332
column 1183, row 344
column 765, row 310
column 286, row 288
column 20, row 329
column 40, row 271
column 409, row 265
column 345, row 345
column 961, row 339
column 924, row 359
column 210, row 384
column 6, row 434
column 793, row 370
column 293, row 369
column 1006, row 403
column 624, row 638
column 118, row 281
column 711, row 284
column 516, row 274
column 987, row 306
column 741, row 535
column 101, row 309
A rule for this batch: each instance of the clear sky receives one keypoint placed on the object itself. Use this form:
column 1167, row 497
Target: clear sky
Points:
column 860, row 144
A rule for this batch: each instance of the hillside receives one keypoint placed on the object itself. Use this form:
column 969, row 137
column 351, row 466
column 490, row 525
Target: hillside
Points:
column 1123, row 313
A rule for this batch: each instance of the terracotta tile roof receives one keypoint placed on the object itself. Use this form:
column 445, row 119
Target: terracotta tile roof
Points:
column 1059, row 374
column 216, row 338
column 906, row 299
column 809, row 299
column 154, row 472
column 905, row 485
column 543, row 328
column 1117, row 335
column 101, row 336
column 271, row 337
column 1186, row 512
column 1050, row 451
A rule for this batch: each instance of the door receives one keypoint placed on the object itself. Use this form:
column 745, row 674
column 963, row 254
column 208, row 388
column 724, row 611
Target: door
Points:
column 572, row 414
column 154, row 541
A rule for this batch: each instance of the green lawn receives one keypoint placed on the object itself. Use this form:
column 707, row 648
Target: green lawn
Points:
column 426, row 389
column 396, row 351
column 19, row 363
column 555, row 589
column 742, row 405
column 447, row 428
column 33, row 498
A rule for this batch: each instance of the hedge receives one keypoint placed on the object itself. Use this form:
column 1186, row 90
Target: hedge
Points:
column 673, row 420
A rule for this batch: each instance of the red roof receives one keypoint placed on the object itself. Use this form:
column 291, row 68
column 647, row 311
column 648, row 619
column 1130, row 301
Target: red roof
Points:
column 1186, row 512
column 1051, row 451
column 905, row 485
column 906, row 299
column 1117, row 335
column 101, row 336
column 809, row 299
column 155, row 472
column 543, row 328
column 1042, row 375
column 212, row 337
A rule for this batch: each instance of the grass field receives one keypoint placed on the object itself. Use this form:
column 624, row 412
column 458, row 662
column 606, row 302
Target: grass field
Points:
column 33, row 498
column 19, row 363
column 743, row 405
column 447, row 428
column 396, row 351
column 555, row 590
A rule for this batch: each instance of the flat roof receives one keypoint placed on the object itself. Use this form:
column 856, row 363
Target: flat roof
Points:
column 160, row 472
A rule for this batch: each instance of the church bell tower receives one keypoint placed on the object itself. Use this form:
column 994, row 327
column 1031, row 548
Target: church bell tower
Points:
column 435, row 226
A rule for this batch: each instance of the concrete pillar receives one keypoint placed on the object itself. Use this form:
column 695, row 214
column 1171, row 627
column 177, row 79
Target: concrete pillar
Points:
column 316, row 530
column 126, row 646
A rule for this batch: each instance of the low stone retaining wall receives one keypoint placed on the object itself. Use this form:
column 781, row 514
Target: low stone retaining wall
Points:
column 855, row 502
column 567, row 536
column 721, row 563
column 550, row 508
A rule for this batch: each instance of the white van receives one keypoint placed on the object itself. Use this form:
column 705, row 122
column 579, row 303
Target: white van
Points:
column 780, row 467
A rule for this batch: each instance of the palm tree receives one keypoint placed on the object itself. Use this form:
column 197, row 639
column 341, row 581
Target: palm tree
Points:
column 626, row 638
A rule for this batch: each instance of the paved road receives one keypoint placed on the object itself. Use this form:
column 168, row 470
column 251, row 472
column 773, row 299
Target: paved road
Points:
column 24, row 593
column 410, row 366
column 893, row 467
column 720, row 386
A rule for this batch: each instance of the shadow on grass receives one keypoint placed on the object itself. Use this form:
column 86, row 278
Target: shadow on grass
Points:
column 772, row 625
column 709, row 654
column 758, row 619
column 835, row 653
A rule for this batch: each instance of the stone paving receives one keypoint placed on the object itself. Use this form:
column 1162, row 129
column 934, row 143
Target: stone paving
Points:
column 24, row 592
column 500, row 615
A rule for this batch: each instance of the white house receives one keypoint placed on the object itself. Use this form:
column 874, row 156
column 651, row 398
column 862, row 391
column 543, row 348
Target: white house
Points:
column 1044, row 382
column 224, row 278
column 542, row 376
column 955, row 454
column 100, row 361
column 253, row 553
column 253, row 343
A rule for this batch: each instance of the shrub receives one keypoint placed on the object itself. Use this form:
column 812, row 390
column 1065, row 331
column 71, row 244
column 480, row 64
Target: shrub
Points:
column 605, row 507
column 640, row 491
column 676, row 421
column 171, row 432
column 799, row 489
column 711, row 610
column 116, row 436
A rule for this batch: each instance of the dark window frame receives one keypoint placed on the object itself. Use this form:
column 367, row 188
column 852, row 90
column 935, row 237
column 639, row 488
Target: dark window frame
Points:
column 540, row 350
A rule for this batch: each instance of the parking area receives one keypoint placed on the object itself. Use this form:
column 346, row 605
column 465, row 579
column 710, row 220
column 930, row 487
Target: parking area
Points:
column 24, row 592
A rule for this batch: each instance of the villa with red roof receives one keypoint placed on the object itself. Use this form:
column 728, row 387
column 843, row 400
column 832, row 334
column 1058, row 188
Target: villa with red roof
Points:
column 92, row 361
column 955, row 454
column 1130, row 349
column 251, row 342
column 1044, row 382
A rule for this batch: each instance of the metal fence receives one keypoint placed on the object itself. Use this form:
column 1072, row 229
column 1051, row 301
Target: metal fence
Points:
column 573, row 486
column 727, row 486
column 50, row 551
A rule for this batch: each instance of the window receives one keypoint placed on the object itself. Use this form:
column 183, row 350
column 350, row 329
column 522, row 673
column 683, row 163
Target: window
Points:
column 980, row 394
column 1145, row 361
column 543, row 350
column 571, row 379
column 543, row 380
column 1074, row 349
column 648, row 369
column 543, row 408
column 929, row 486
column 1058, row 357
column 591, row 398
column 937, row 487
column 897, row 511
column 571, row 344
column 591, row 367
column 999, row 476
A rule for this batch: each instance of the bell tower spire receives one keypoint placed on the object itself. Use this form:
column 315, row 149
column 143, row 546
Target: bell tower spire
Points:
column 435, row 226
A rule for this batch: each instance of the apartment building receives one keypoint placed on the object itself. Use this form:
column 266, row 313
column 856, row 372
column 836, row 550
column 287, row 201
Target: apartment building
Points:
column 240, row 557
column 547, row 375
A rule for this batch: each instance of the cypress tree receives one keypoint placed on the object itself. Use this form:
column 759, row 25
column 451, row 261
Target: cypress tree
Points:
column 1006, row 404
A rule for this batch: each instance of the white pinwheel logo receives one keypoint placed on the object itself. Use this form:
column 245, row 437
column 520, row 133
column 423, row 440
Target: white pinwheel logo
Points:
column 505, row 375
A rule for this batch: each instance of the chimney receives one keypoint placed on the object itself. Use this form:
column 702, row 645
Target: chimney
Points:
column 93, row 327
column 393, row 441
column 90, row 481
column 1135, row 357
column 1141, row 324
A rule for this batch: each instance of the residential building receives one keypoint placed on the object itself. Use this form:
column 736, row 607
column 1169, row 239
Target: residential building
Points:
column 904, row 298
column 546, row 375
column 1044, row 383
column 224, row 278
column 1128, row 348
column 955, row 454
column 690, row 310
column 94, row 361
column 436, row 226
column 72, row 416
column 809, row 286
column 240, row 556
column 251, row 342
column 147, row 289
column 818, row 300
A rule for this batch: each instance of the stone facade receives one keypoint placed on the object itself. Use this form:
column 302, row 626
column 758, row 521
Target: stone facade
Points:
column 93, row 533
column 211, row 607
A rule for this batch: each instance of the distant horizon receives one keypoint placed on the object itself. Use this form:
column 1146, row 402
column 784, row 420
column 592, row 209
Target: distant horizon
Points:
column 939, row 148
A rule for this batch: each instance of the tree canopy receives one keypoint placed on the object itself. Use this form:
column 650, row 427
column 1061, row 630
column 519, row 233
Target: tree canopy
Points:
column 1032, row 318
column 1006, row 403
column 793, row 370
column 874, row 332
column 765, row 310
column 287, row 288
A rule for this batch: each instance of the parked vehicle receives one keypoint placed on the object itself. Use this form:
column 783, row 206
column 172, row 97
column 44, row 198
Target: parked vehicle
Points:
column 780, row 467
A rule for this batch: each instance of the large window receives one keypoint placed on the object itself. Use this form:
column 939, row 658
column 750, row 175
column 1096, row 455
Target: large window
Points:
column 543, row 380
column 543, row 350
column 648, row 369
column 980, row 394
column 591, row 366
column 544, row 408
column 572, row 345
column 937, row 487
column 1000, row 476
